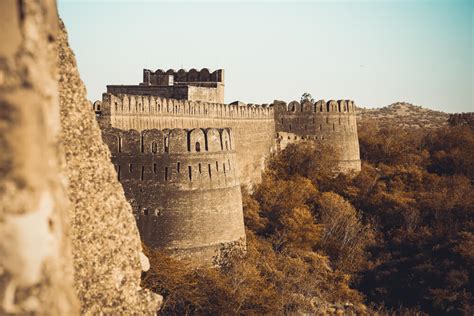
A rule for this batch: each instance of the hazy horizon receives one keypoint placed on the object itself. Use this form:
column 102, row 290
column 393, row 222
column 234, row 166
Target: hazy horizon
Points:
column 375, row 53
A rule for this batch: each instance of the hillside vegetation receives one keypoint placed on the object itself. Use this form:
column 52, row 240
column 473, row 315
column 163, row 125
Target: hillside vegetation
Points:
column 404, row 115
column 397, row 237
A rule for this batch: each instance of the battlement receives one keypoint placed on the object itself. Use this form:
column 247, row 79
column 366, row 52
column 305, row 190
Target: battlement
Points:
column 340, row 106
column 182, row 76
column 141, row 105
column 168, row 141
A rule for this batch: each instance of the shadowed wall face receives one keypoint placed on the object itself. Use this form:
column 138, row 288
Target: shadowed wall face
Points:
column 183, row 186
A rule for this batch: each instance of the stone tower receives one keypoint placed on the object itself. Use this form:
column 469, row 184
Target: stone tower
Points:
column 183, row 186
column 192, row 85
column 333, row 122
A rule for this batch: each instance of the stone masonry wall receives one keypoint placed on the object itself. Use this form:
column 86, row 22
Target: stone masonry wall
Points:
column 332, row 121
column 253, row 126
column 183, row 186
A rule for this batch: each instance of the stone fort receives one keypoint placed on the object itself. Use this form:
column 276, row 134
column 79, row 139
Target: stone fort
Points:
column 182, row 154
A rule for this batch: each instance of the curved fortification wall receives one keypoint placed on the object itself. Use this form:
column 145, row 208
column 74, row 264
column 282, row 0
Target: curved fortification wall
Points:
column 332, row 121
column 253, row 125
column 183, row 186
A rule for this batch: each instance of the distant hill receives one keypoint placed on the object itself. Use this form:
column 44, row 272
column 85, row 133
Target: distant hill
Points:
column 405, row 115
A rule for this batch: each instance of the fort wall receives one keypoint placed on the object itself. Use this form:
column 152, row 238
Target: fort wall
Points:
column 332, row 121
column 183, row 186
column 253, row 126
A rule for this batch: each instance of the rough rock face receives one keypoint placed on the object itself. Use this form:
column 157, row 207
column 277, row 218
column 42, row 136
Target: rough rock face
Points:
column 35, row 255
column 54, row 173
column 105, row 239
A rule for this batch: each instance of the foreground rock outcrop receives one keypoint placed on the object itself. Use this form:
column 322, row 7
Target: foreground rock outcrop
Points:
column 68, row 241
column 105, row 239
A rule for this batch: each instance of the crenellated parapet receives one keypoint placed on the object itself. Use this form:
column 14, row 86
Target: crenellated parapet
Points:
column 321, row 106
column 182, row 76
column 144, row 105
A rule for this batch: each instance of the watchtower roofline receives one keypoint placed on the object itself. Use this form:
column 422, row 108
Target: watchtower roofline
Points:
column 192, row 85
column 192, row 77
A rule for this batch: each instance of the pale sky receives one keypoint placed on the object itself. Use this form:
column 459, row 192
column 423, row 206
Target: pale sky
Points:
column 373, row 52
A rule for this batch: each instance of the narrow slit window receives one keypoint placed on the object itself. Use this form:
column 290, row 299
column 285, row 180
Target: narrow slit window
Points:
column 130, row 168
column 223, row 167
column 118, row 172
column 120, row 144
column 142, row 173
column 200, row 170
column 178, row 167
column 198, row 147
column 166, row 173
column 217, row 166
column 190, row 173
column 210, row 172
column 154, row 168
column 167, row 147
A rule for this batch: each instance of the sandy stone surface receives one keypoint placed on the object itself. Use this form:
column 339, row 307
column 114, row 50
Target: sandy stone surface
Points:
column 105, row 239
column 35, row 252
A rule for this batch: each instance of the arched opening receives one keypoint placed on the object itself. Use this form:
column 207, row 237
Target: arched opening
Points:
column 198, row 147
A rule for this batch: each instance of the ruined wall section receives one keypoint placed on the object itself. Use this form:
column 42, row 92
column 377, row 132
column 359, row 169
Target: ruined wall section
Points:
column 253, row 126
column 183, row 186
column 332, row 121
